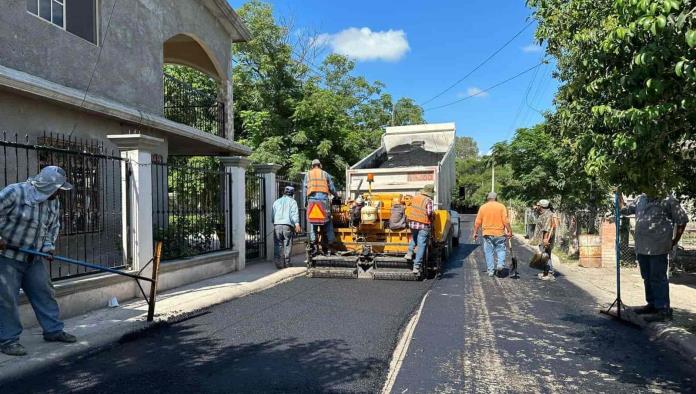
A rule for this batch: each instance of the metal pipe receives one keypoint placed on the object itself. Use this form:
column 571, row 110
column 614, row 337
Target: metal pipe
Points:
column 78, row 262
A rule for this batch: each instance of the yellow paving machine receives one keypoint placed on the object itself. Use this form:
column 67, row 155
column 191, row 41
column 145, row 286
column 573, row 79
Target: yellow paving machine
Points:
column 371, row 234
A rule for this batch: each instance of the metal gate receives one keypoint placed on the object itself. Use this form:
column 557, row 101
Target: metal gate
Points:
column 255, row 217
column 92, row 219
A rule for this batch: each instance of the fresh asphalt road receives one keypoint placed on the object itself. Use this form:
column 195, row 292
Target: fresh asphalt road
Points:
column 487, row 335
column 475, row 334
column 306, row 335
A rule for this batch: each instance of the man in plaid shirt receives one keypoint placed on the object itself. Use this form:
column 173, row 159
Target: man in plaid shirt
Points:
column 29, row 218
column 420, row 217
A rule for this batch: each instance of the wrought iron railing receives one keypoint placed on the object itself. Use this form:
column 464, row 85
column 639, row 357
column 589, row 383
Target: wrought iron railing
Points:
column 256, row 231
column 91, row 215
column 187, row 105
column 189, row 212
column 299, row 197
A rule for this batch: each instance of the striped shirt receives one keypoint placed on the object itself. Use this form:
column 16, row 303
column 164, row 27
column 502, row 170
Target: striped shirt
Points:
column 34, row 226
column 418, row 225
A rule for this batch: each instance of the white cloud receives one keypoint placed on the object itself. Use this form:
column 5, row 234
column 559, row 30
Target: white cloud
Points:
column 532, row 48
column 473, row 91
column 365, row 44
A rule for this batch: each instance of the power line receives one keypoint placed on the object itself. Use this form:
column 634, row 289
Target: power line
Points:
column 491, row 56
column 487, row 89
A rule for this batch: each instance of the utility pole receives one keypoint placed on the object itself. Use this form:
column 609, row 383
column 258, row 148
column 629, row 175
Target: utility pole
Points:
column 493, row 176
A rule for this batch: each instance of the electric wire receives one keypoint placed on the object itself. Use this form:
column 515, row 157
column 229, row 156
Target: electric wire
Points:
column 487, row 89
column 486, row 60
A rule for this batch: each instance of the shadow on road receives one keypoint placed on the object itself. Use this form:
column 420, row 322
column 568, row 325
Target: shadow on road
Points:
column 179, row 359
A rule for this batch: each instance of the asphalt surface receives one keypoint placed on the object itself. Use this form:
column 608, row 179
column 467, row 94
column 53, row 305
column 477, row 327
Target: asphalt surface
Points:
column 475, row 335
column 307, row 335
column 488, row 335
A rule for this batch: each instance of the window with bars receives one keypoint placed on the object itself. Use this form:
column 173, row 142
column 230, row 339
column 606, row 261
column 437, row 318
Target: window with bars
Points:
column 78, row 17
column 80, row 207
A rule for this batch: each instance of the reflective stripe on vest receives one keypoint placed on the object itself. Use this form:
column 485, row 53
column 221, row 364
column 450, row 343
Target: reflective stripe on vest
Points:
column 418, row 211
column 317, row 181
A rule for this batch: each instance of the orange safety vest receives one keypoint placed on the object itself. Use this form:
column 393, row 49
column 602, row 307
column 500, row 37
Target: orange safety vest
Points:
column 317, row 181
column 418, row 211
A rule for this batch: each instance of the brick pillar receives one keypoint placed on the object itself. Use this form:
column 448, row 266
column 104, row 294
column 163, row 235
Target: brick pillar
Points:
column 608, row 234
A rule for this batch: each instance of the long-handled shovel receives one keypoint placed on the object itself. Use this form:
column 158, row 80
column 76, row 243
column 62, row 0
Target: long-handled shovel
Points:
column 513, row 259
column 137, row 277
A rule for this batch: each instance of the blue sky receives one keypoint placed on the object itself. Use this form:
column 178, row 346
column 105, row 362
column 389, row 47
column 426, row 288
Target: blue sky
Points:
column 420, row 48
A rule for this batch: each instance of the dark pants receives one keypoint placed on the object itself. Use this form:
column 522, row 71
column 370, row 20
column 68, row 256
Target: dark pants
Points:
column 283, row 236
column 653, row 269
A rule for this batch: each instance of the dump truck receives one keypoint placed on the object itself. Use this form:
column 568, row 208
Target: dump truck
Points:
column 368, row 245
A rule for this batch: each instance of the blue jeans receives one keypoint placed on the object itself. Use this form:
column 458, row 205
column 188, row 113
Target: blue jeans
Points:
column 494, row 247
column 653, row 270
column 419, row 238
column 328, row 226
column 34, row 280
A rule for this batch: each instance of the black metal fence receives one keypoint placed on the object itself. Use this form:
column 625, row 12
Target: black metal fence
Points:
column 299, row 197
column 187, row 105
column 190, row 214
column 92, row 212
column 256, row 231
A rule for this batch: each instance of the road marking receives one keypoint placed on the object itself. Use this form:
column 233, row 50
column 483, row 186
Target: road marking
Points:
column 402, row 348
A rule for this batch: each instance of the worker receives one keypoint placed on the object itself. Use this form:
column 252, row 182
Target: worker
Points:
column 318, row 185
column 420, row 217
column 544, row 236
column 355, row 210
column 30, row 218
column 492, row 219
column 660, row 223
column 286, row 223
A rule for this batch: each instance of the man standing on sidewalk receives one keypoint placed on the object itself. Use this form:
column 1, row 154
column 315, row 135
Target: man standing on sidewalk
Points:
column 544, row 237
column 655, row 236
column 29, row 218
column 492, row 218
column 286, row 219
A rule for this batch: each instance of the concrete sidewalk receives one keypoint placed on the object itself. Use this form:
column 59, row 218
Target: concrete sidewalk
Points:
column 105, row 326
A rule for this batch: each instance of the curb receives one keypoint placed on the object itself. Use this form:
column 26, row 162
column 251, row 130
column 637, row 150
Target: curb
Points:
column 134, row 326
column 676, row 338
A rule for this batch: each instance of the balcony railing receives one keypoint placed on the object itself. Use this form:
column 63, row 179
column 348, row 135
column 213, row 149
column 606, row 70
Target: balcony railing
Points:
column 184, row 104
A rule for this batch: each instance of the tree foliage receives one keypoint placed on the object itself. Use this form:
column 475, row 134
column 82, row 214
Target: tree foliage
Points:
column 290, row 110
column 627, row 101
column 466, row 148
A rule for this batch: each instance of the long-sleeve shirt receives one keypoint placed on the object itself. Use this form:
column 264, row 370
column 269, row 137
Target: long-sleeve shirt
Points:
column 285, row 211
column 429, row 211
column 33, row 226
column 492, row 217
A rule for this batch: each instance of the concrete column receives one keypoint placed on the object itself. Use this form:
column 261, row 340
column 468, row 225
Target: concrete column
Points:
column 137, row 149
column 236, row 166
column 227, row 95
column 268, row 172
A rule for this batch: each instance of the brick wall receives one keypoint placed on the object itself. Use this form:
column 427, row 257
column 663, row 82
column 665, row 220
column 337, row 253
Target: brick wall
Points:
column 608, row 234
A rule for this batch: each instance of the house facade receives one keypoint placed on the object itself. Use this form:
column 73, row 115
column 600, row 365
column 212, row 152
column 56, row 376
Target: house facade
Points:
column 82, row 85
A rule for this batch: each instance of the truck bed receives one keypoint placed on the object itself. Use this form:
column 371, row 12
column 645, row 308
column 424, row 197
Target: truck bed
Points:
column 409, row 156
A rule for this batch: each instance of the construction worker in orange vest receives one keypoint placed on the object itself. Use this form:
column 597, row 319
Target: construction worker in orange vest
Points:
column 420, row 217
column 318, row 185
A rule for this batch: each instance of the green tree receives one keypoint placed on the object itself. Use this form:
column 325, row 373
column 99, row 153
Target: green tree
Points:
column 466, row 148
column 627, row 100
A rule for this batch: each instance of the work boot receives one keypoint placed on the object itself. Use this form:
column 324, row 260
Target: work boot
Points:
column 408, row 256
column 416, row 269
column 491, row 273
column 278, row 263
column 13, row 349
column 644, row 310
column 60, row 336
column 660, row 316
